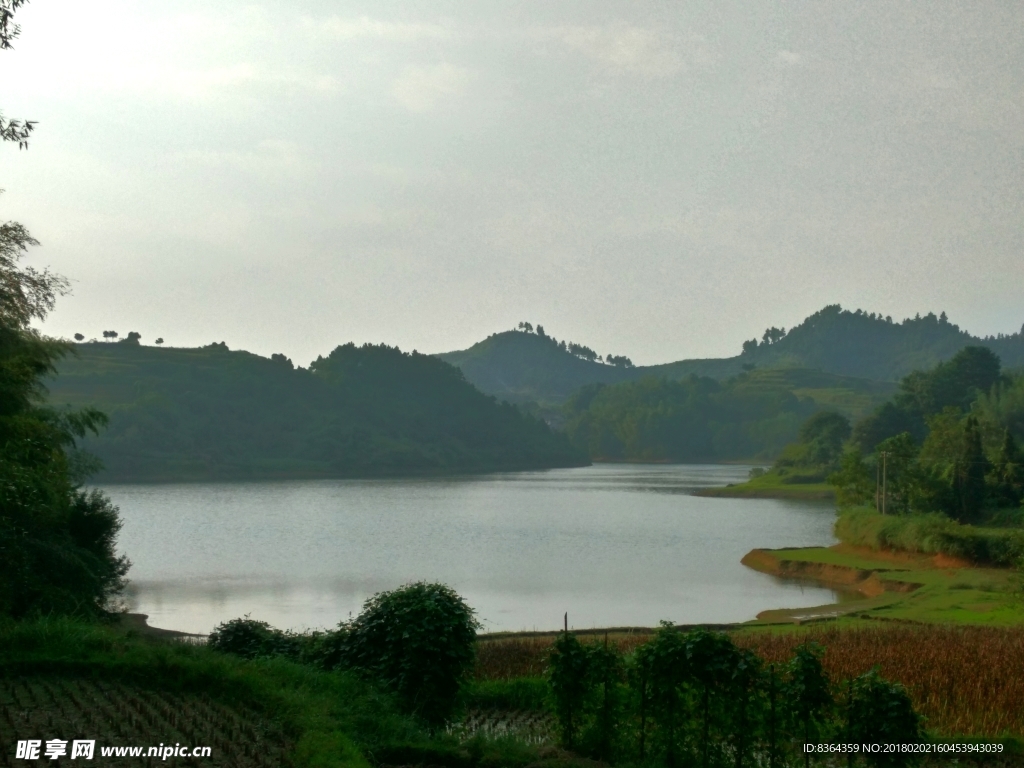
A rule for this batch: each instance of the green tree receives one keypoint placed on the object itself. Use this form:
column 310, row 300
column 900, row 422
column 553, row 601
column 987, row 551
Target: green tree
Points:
column 666, row 669
column 1007, row 486
column 807, row 696
column 57, row 541
column 569, row 674
column 880, row 712
column 711, row 663
column 969, row 474
column 824, row 434
column 854, row 481
column 418, row 641
column 900, row 473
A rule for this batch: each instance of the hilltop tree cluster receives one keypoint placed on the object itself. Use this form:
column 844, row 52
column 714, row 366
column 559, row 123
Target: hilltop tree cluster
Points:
column 577, row 350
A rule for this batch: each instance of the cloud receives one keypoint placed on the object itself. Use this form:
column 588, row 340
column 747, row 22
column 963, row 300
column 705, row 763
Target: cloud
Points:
column 624, row 48
column 365, row 27
column 270, row 158
column 419, row 89
column 789, row 58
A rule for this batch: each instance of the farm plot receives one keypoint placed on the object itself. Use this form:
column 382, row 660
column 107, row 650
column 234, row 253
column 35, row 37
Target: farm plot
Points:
column 115, row 715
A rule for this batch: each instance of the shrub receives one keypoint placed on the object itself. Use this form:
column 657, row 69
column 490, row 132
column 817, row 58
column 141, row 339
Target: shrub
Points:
column 569, row 675
column 880, row 712
column 418, row 641
column 252, row 639
column 930, row 534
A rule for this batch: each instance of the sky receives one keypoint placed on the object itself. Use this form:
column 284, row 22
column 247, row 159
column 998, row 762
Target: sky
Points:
column 656, row 179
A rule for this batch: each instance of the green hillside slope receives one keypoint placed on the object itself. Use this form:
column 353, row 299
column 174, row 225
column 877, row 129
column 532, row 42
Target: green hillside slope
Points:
column 519, row 366
column 868, row 345
column 211, row 413
column 698, row 419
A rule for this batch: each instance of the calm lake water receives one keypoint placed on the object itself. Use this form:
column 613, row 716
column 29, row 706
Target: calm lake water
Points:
column 614, row 545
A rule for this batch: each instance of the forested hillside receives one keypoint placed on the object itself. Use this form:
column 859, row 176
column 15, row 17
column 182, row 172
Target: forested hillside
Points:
column 521, row 366
column 872, row 346
column 699, row 419
column 212, row 413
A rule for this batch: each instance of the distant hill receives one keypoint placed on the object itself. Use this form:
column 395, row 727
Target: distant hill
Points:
column 212, row 413
column 753, row 415
column 520, row 367
column 873, row 347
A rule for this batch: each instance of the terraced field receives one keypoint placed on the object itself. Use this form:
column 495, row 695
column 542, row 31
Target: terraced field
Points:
column 116, row 715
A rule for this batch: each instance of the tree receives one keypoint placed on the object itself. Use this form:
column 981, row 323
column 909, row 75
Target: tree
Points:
column 57, row 541
column 749, row 347
column 570, row 679
column 880, row 712
column 824, row 434
column 854, row 481
column 159, row 341
column 12, row 130
column 898, row 458
column 969, row 474
column 79, row 337
column 110, row 334
column 807, row 697
column 1007, row 486
column 619, row 361
column 418, row 641
column 132, row 337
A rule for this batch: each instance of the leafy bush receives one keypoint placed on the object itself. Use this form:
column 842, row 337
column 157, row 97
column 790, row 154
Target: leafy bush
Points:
column 419, row 641
column 880, row 712
column 252, row 639
column 930, row 534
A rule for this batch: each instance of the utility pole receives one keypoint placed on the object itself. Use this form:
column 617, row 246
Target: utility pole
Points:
column 878, row 487
column 884, row 455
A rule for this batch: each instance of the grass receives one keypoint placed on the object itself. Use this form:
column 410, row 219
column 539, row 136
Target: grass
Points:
column 772, row 486
column 902, row 586
column 999, row 545
column 327, row 719
column 67, row 679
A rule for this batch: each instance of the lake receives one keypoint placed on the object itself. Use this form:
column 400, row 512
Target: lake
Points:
column 612, row 544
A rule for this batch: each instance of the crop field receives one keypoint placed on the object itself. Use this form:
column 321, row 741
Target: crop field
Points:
column 533, row 728
column 117, row 715
column 964, row 680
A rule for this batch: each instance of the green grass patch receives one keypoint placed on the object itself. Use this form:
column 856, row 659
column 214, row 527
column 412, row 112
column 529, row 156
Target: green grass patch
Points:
column 931, row 534
column 771, row 485
column 521, row 693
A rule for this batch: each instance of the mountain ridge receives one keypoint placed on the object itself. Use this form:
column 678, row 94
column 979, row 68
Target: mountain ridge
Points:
column 522, row 367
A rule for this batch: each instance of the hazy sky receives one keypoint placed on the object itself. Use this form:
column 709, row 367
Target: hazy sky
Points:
column 656, row 179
